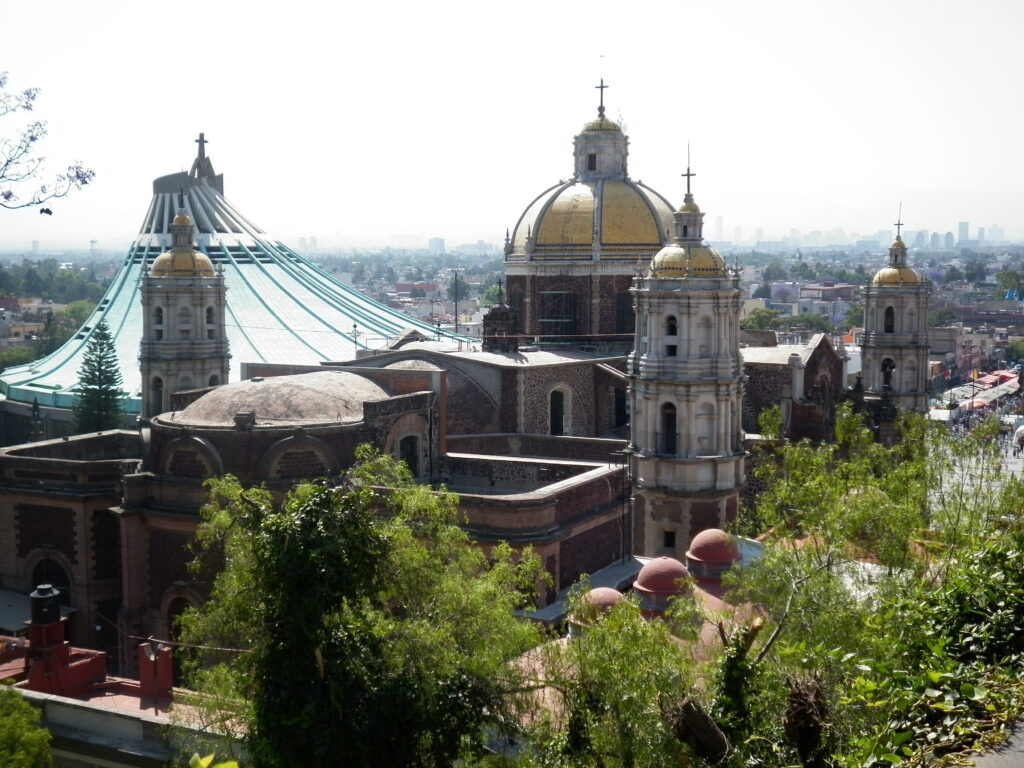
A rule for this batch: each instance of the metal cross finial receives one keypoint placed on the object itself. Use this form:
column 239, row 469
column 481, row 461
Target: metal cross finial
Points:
column 201, row 141
column 688, row 175
column 899, row 221
column 601, row 87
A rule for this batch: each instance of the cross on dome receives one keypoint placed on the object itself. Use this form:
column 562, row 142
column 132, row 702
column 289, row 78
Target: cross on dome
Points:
column 899, row 222
column 202, row 142
column 600, row 108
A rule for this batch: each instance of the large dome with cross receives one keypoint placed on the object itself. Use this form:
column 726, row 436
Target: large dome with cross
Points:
column 574, row 250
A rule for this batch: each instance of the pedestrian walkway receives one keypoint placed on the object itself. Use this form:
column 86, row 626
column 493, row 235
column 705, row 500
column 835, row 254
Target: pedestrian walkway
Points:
column 1008, row 755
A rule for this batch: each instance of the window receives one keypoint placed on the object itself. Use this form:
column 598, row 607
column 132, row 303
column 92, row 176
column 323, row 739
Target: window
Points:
column 211, row 334
column 210, row 318
column 667, row 443
column 668, row 539
column 592, row 162
column 215, row 380
column 671, row 327
column 158, row 315
column 890, row 320
column 557, row 313
column 409, row 452
column 556, row 413
column 670, row 350
column 158, row 335
column 686, row 230
column 156, row 396
column 888, row 367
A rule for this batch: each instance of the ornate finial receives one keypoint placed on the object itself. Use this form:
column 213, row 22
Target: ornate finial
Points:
column 600, row 108
column 688, row 175
column 899, row 221
column 506, row 235
column 201, row 141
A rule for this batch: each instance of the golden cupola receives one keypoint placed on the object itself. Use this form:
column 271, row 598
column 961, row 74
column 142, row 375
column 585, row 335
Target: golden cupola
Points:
column 688, row 255
column 896, row 272
column 182, row 260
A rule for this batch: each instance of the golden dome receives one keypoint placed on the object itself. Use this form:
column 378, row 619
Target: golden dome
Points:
column 602, row 124
column 897, row 243
column 690, row 207
column 181, row 220
column 624, row 215
column 688, row 261
column 896, row 276
column 182, row 262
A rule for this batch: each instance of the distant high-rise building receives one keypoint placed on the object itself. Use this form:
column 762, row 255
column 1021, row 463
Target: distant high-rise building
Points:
column 920, row 238
column 981, row 234
column 950, row 241
column 965, row 231
column 312, row 243
column 435, row 245
column 936, row 241
column 303, row 245
column 996, row 233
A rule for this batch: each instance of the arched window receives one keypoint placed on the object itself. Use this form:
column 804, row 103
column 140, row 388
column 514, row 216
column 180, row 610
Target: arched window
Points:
column 556, row 412
column 671, row 328
column 158, row 315
column 210, row 317
column 667, row 438
column 890, row 320
column 214, row 380
column 51, row 572
column 888, row 368
column 409, row 452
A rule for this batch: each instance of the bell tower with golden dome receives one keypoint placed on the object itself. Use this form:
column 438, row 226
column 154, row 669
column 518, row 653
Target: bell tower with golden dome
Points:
column 571, row 258
column 686, row 390
column 894, row 351
column 184, row 344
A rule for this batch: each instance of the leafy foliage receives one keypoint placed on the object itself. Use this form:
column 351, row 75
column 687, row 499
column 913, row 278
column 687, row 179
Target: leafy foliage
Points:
column 23, row 742
column 98, row 405
column 371, row 639
column 20, row 165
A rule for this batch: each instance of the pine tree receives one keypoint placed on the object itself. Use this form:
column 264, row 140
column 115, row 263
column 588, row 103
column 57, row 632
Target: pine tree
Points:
column 98, row 406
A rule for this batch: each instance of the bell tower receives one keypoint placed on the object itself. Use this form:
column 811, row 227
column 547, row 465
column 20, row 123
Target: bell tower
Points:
column 686, row 389
column 184, row 344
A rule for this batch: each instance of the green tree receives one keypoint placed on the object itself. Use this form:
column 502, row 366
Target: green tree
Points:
column 20, row 163
column 764, row 291
column 953, row 274
column 23, row 742
column 98, row 404
column 775, row 270
column 855, row 316
column 816, row 321
column 457, row 287
column 492, row 295
column 761, row 319
column 371, row 639
column 1015, row 350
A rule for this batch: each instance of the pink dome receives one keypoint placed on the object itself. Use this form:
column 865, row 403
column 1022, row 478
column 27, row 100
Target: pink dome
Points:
column 713, row 545
column 601, row 597
column 662, row 576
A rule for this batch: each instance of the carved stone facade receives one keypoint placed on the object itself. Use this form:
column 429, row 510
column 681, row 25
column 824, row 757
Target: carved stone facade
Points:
column 895, row 346
column 686, row 390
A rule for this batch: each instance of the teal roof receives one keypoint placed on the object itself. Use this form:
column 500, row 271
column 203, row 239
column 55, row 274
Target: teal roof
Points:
column 280, row 307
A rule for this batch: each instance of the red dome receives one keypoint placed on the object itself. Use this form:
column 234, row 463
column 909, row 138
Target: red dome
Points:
column 713, row 545
column 662, row 576
column 601, row 597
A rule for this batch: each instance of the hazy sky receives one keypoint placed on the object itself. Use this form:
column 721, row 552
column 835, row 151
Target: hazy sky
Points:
column 370, row 123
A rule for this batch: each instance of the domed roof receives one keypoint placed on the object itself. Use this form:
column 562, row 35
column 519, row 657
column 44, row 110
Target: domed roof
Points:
column 321, row 397
column 615, row 213
column 713, row 545
column 181, row 220
column 182, row 262
column 897, row 243
column 896, row 276
column 689, row 206
column 601, row 597
column 690, row 260
column 662, row 576
column 602, row 124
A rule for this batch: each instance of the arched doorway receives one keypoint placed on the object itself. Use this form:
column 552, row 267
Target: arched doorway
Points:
column 49, row 571
column 409, row 452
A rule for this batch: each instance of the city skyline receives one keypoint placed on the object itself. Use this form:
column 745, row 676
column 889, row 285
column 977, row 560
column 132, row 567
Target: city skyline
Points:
column 349, row 127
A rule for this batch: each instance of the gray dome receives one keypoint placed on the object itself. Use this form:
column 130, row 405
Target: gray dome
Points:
column 413, row 364
column 321, row 397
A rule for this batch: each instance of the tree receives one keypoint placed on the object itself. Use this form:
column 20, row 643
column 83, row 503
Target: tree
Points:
column 761, row 319
column 764, row 291
column 458, row 289
column 953, row 274
column 816, row 321
column 370, row 639
column 20, row 165
column 98, row 404
column 855, row 316
column 492, row 295
column 23, row 742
